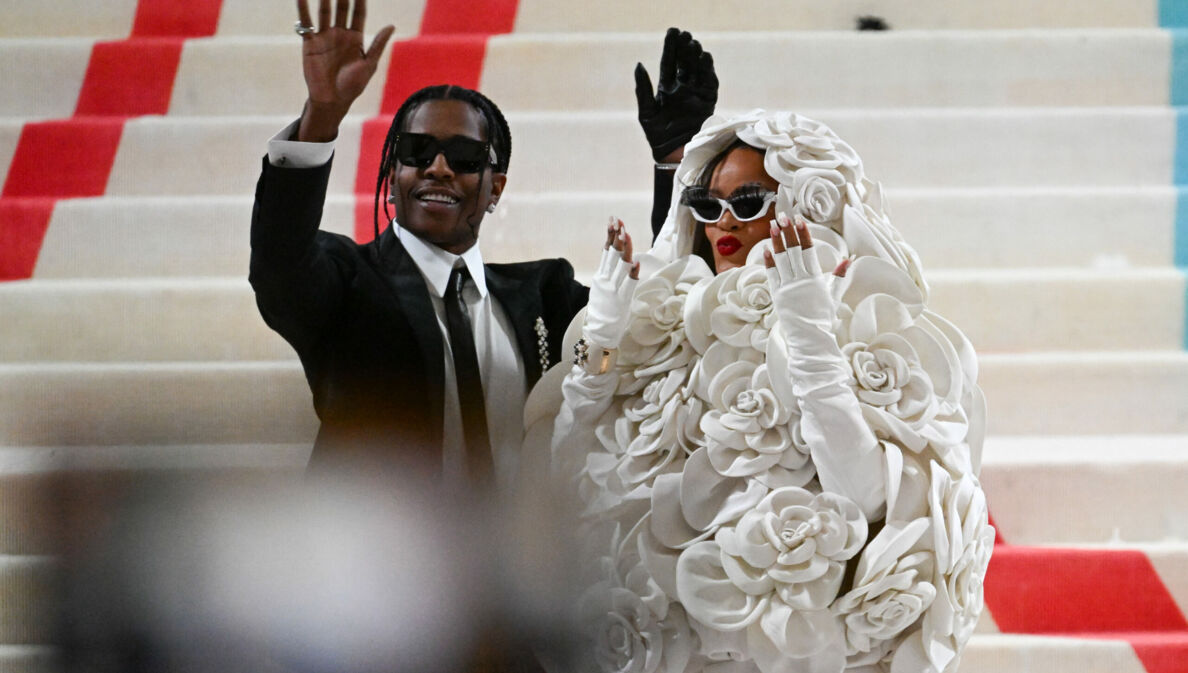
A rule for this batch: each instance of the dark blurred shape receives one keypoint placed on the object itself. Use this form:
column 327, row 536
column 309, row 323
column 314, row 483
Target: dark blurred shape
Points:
column 228, row 571
column 871, row 23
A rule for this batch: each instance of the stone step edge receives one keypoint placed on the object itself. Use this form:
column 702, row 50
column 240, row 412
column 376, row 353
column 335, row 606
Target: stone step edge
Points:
column 1029, row 450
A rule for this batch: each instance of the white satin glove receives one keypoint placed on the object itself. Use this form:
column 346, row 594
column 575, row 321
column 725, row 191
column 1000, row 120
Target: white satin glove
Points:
column 843, row 447
column 805, row 305
column 609, row 307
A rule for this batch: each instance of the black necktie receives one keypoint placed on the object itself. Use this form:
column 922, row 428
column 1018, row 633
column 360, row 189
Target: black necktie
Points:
column 470, row 383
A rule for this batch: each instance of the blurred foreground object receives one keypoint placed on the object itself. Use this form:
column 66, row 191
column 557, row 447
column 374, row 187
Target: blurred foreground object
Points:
column 258, row 571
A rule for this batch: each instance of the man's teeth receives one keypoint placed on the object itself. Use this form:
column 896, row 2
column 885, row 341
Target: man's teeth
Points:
column 438, row 198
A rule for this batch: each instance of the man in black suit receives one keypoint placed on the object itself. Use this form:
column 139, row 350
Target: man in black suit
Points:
column 372, row 323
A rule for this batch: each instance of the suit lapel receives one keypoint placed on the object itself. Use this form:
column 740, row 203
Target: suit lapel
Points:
column 411, row 293
column 522, row 303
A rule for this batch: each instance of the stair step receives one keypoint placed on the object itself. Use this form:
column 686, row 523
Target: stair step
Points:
column 114, row 19
column 842, row 69
column 118, row 236
column 1113, row 489
column 202, row 319
column 63, row 404
column 1033, row 147
column 593, row 71
column 702, row 16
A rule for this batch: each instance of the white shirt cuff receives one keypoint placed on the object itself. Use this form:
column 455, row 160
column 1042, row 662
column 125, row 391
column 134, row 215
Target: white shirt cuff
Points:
column 296, row 154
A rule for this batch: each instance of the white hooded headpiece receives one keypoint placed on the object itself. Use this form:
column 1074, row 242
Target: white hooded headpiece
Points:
column 821, row 179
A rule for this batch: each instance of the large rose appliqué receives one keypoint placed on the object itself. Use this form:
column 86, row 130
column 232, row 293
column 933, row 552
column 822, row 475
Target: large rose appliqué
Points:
column 775, row 573
column 892, row 589
column 734, row 308
column 963, row 541
column 632, row 626
column 819, row 194
column 658, row 428
column 906, row 370
column 750, row 430
column 658, row 309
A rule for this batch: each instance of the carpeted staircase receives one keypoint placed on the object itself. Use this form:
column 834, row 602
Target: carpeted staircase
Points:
column 1031, row 150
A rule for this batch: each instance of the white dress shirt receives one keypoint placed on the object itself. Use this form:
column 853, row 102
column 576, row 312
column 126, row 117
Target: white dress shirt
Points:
column 501, row 365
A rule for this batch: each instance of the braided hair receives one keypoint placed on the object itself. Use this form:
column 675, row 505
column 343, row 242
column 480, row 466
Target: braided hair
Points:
column 498, row 134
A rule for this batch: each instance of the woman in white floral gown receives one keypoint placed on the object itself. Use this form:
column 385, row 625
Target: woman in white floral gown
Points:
column 776, row 466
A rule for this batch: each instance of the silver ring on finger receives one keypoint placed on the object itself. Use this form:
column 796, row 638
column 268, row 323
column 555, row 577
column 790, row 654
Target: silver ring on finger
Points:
column 302, row 29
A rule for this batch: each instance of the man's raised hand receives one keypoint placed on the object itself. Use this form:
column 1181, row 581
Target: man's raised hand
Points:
column 336, row 67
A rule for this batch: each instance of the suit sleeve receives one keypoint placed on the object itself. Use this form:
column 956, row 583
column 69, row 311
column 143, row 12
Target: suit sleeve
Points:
column 297, row 281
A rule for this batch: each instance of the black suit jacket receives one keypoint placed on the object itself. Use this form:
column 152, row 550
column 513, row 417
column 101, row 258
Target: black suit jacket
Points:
column 361, row 319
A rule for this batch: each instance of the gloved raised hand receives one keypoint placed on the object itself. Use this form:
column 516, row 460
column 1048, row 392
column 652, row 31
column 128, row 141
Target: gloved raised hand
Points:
column 805, row 306
column 684, row 98
column 608, row 310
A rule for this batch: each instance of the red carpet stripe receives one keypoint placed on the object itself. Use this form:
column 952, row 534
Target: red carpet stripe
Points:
column 1161, row 653
column 74, row 157
column 64, row 158
column 450, row 49
column 170, row 18
column 1050, row 590
column 23, row 223
column 130, row 77
column 489, row 17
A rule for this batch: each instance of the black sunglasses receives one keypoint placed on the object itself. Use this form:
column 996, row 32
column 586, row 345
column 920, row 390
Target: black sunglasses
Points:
column 747, row 204
column 464, row 155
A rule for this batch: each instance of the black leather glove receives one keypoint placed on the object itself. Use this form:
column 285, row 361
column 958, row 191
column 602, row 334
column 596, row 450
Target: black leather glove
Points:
column 685, row 97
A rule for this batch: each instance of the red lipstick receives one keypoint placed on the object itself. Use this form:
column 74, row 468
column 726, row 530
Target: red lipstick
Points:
column 728, row 245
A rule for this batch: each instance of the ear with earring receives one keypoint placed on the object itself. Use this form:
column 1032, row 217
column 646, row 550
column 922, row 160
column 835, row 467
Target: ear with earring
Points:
column 491, row 207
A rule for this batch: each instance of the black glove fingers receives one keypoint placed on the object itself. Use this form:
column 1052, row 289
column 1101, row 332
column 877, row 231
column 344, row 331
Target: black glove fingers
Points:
column 668, row 58
column 645, row 97
column 693, row 64
column 707, row 77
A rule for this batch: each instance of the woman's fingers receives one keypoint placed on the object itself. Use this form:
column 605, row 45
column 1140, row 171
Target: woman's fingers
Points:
column 841, row 269
column 787, row 231
column 611, row 231
column 802, row 233
column 627, row 246
column 617, row 242
column 777, row 238
column 341, row 9
column 635, row 271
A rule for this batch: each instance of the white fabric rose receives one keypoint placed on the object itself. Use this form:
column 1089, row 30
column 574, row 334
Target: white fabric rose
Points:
column 892, row 588
column 628, row 636
column 658, row 428
column 907, row 371
column 794, row 142
column 655, row 339
column 734, row 308
column 774, row 574
column 818, row 194
column 963, row 541
column 750, row 430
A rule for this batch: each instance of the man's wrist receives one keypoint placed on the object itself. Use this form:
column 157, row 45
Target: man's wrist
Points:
column 319, row 123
